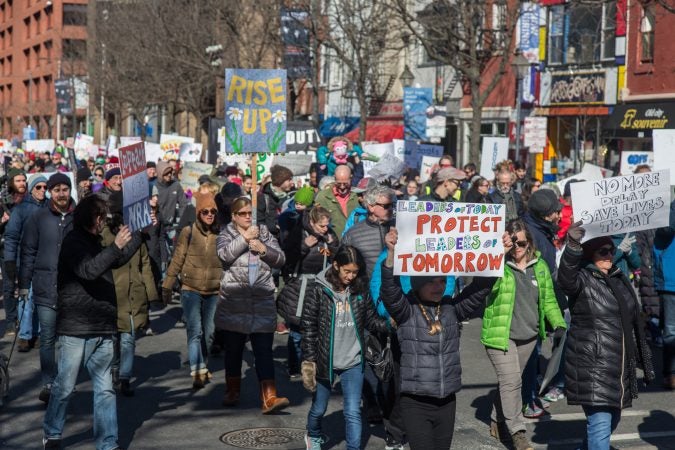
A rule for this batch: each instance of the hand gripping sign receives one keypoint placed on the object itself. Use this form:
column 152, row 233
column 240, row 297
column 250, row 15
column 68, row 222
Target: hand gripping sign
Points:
column 441, row 238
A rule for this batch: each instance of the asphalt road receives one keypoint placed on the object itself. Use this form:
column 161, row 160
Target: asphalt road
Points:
column 167, row 414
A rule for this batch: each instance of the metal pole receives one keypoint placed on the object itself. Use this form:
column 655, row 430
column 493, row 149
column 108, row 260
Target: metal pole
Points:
column 102, row 115
column 30, row 98
column 519, row 95
column 576, row 144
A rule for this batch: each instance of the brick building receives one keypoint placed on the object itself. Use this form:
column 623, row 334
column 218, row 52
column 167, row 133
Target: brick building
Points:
column 41, row 41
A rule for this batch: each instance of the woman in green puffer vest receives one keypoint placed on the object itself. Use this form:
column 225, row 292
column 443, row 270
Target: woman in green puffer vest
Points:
column 514, row 317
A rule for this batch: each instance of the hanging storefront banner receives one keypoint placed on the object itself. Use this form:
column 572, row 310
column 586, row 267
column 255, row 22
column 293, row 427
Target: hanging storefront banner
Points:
column 415, row 104
column 647, row 116
column 64, row 96
column 528, row 31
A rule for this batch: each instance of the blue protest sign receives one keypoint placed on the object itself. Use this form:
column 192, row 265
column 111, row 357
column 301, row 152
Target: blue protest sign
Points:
column 415, row 104
column 135, row 190
column 255, row 111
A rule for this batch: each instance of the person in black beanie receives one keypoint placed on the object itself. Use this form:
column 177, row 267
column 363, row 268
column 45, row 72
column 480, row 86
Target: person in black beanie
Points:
column 83, row 183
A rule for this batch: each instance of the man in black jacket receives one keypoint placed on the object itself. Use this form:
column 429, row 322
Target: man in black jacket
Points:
column 272, row 196
column 87, row 320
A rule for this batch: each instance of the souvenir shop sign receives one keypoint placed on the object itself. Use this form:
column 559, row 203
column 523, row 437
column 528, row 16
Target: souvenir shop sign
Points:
column 135, row 189
column 255, row 111
column 650, row 116
column 621, row 204
column 445, row 238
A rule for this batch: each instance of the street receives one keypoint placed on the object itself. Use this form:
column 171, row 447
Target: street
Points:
column 167, row 414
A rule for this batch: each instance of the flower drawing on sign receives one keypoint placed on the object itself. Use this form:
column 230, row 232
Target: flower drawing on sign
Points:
column 235, row 140
column 278, row 117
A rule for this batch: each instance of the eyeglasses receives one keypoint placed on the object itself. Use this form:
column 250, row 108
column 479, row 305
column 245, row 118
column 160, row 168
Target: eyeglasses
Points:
column 485, row 185
column 605, row 251
column 521, row 244
column 342, row 184
column 206, row 212
column 385, row 205
column 40, row 187
column 453, row 181
column 244, row 213
column 537, row 185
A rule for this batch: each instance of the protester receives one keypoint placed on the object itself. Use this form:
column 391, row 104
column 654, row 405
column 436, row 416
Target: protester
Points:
column 16, row 190
column 197, row 263
column 506, row 195
column 292, row 215
column 520, row 171
column 566, row 212
column 530, row 186
column 470, row 171
column 171, row 206
column 112, row 182
column 247, row 185
column 246, row 309
column 334, row 317
column 519, row 305
column 445, row 185
column 228, row 193
column 412, row 191
column 606, row 329
column 83, row 179
column 87, row 320
column 430, row 365
column 272, row 196
column 338, row 198
column 309, row 248
column 478, row 193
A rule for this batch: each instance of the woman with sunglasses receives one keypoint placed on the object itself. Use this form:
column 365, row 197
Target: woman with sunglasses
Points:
column 478, row 193
column 246, row 309
column 515, row 314
column 606, row 341
column 196, row 262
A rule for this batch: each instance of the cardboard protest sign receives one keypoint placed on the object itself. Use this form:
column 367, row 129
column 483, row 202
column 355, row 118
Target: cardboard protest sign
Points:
column 128, row 140
column 367, row 167
column 622, row 204
column 664, row 156
column 399, row 148
column 82, row 144
column 377, row 151
column 190, row 152
column 263, row 165
column 630, row 160
column 388, row 167
column 40, row 145
column 255, row 109
column 428, row 163
column 442, row 238
column 297, row 163
column 172, row 145
column 191, row 173
column 153, row 152
column 436, row 121
column 495, row 150
column 135, row 188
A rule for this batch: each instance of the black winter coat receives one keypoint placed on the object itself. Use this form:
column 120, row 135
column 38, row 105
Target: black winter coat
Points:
column 598, row 371
column 269, row 208
column 497, row 197
column 648, row 294
column 42, row 237
column 87, row 304
column 301, row 259
column 430, row 365
column 318, row 321
column 368, row 238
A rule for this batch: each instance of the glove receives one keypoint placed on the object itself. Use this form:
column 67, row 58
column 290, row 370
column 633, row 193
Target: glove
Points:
column 167, row 295
column 575, row 233
column 309, row 375
column 626, row 244
column 558, row 334
column 9, row 270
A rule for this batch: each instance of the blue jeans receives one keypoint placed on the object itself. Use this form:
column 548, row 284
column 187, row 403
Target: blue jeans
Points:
column 127, row 351
column 47, row 318
column 29, row 325
column 668, row 323
column 96, row 354
column 601, row 421
column 199, row 311
column 294, row 349
column 351, row 381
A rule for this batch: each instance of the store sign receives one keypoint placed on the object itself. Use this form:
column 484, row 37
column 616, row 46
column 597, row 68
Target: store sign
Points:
column 577, row 88
column 651, row 116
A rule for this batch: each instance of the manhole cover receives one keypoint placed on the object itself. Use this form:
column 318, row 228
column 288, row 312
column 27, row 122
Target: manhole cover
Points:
column 266, row 438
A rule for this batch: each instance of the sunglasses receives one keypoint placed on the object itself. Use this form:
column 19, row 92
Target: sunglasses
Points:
column 385, row 205
column 605, row 251
column 40, row 187
column 244, row 213
column 446, row 165
column 206, row 212
column 521, row 244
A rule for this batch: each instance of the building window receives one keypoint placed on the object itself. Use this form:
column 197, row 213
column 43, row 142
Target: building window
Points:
column 647, row 26
column 609, row 30
column 74, row 49
column 556, row 36
column 26, row 24
column 74, row 14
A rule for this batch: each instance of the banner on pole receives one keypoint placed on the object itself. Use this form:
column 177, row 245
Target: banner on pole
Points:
column 622, row 204
column 495, row 150
column 445, row 238
column 415, row 104
column 135, row 188
column 255, row 110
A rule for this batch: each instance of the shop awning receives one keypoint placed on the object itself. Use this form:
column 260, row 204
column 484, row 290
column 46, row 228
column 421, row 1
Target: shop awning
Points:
column 642, row 116
column 379, row 131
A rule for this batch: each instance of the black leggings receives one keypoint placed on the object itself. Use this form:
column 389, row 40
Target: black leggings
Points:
column 429, row 422
column 261, row 343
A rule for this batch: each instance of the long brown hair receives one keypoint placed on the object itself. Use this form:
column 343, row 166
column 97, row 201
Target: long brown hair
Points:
column 516, row 226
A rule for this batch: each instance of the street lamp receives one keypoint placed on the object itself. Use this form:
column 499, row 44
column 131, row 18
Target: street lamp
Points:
column 521, row 66
column 406, row 77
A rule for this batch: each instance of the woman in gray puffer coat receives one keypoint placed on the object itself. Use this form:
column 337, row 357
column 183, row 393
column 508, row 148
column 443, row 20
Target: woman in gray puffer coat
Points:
column 245, row 309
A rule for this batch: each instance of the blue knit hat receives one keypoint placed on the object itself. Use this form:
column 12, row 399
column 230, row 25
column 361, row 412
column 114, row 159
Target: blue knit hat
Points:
column 34, row 179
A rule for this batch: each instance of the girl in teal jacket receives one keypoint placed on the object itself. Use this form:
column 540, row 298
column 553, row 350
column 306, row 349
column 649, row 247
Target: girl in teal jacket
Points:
column 514, row 318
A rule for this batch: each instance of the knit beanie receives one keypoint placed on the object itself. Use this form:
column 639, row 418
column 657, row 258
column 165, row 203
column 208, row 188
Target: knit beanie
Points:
column 304, row 196
column 58, row 178
column 112, row 172
column 162, row 166
column 230, row 190
column 35, row 179
column 204, row 201
column 83, row 174
column 279, row 174
column 13, row 172
column 544, row 202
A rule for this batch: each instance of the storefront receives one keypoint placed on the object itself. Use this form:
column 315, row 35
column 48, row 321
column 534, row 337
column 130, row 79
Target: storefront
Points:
column 631, row 124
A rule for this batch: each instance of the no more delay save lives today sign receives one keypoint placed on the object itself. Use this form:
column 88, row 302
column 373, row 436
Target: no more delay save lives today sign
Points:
column 441, row 238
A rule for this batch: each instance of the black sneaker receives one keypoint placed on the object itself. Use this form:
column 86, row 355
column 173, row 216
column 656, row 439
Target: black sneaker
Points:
column 45, row 393
column 125, row 388
column 51, row 443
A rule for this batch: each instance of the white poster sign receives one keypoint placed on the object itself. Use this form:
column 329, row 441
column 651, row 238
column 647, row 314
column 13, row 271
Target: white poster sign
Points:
column 495, row 150
column 129, row 140
column 443, row 238
column 297, row 163
column 153, row 152
column 428, row 163
column 82, row 144
column 664, row 156
column 622, row 204
column 630, row 160
column 535, row 131
column 40, row 145
column 378, row 150
column 399, row 148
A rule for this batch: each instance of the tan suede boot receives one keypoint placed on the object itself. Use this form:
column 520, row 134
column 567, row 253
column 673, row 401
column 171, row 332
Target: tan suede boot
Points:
column 233, row 385
column 268, row 395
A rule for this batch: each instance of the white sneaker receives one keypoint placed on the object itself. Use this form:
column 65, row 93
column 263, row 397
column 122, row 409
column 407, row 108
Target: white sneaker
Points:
column 313, row 443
